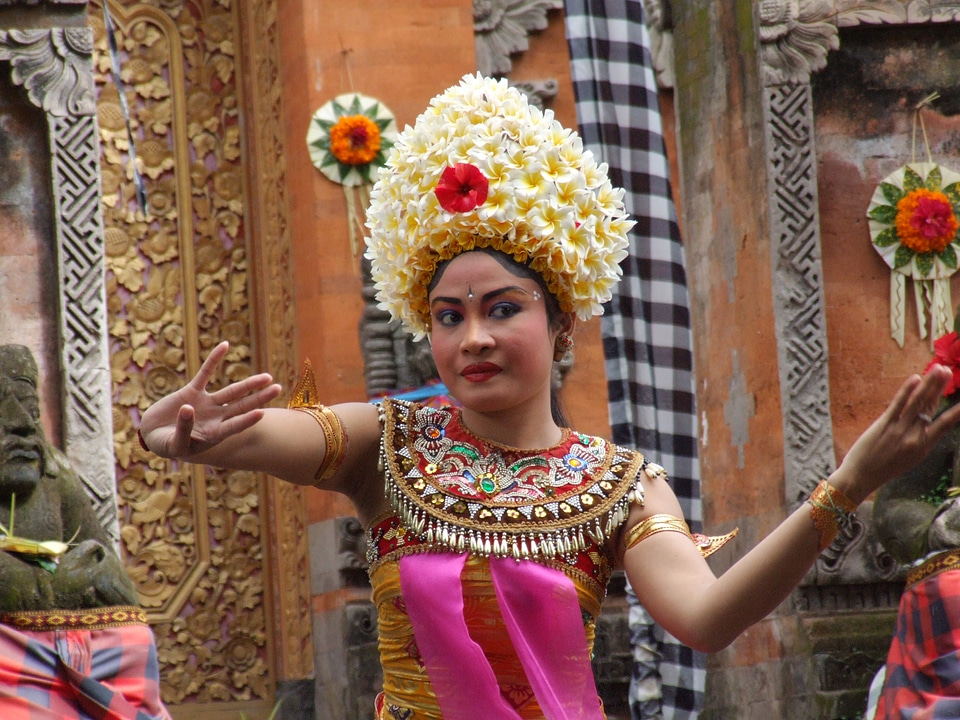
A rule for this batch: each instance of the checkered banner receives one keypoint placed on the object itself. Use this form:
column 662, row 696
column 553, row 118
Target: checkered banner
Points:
column 646, row 326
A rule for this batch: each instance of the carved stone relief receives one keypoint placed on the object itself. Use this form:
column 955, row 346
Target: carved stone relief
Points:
column 501, row 27
column 795, row 39
column 658, row 17
column 54, row 66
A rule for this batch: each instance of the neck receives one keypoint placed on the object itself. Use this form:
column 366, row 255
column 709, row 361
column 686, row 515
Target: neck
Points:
column 516, row 428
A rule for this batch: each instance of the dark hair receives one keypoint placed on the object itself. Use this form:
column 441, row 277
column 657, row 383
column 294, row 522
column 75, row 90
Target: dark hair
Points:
column 554, row 314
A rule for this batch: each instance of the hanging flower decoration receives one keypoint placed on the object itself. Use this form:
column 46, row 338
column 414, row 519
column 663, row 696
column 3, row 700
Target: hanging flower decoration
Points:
column 913, row 226
column 348, row 139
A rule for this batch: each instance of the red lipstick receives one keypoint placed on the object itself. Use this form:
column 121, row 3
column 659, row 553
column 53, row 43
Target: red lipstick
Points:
column 480, row 372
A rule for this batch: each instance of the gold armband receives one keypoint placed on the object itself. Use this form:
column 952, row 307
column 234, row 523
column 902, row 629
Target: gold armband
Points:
column 830, row 510
column 305, row 400
column 656, row 524
column 706, row 544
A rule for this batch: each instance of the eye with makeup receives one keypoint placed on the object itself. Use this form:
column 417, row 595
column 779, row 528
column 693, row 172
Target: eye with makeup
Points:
column 447, row 317
column 504, row 310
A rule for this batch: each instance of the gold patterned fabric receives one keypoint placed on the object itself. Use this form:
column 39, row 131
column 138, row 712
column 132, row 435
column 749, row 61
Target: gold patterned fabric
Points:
column 407, row 692
column 93, row 619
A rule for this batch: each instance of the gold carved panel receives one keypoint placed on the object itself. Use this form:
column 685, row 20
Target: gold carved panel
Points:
column 196, row 539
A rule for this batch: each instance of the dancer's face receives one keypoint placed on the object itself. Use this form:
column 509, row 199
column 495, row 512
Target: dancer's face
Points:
column 491, row 334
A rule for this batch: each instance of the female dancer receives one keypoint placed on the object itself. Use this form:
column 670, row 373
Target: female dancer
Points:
column 493, row 528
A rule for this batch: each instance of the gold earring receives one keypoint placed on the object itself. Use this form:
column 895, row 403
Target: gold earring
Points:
column 562, row 345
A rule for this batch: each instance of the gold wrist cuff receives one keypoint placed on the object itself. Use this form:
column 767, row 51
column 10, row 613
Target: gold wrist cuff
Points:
column 830, row 509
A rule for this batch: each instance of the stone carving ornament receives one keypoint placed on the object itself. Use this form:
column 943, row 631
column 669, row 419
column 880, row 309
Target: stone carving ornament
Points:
column 54, row 67
column 795, row 39
column 501, row 27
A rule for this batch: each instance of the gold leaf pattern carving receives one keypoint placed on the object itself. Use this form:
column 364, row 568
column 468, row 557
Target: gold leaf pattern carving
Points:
column 177, row 282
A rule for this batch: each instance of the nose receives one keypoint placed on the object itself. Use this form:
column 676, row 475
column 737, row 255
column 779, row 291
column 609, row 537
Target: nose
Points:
column 13, row 418
column 476, row 337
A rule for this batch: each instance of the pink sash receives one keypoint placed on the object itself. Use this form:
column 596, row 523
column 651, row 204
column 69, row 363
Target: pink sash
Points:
column 542, row 615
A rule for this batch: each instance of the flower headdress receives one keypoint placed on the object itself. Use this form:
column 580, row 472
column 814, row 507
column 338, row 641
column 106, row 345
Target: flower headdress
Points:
column 483, row 168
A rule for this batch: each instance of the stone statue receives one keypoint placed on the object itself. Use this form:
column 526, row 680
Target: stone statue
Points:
column 917, row 514
column 43, row 500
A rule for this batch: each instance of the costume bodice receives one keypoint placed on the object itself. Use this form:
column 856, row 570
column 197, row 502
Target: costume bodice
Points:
column 455, row 494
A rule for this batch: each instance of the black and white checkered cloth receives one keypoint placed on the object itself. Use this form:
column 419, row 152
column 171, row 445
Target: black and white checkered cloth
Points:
column 646, row 326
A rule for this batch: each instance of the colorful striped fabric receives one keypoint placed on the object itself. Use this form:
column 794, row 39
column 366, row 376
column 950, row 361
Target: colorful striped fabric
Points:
column 646, row 327
column 108, row 673
column 923, row 666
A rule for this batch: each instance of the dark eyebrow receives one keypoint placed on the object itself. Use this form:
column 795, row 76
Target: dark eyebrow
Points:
column 486, row 297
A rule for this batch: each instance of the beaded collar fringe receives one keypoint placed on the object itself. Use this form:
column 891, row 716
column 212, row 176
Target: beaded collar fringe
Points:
column 454, row 490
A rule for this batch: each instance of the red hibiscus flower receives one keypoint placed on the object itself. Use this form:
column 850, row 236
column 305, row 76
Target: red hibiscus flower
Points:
column 462, row 188
column 946, row 352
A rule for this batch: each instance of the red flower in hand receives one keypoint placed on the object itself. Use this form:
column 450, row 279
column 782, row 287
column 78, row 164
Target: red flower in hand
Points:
column 946, row 352
column 462, row 188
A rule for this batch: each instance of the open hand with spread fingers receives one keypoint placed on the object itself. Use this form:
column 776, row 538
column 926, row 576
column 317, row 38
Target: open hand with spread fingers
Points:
column 902, row 436
column 192, row 420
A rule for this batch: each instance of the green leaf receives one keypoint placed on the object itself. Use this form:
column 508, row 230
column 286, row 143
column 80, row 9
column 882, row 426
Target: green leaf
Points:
column 326, row 125
column 328, row 159
column 911, row 181
column 382, row 123
column 338, row 110
column 355, row 107
column 887, row 238
column 892, row 193
column 902, row 257
column 925, row 263
column 364, row 171
column 886, row 214
column 321, row 144
column 934, row 179
column 952, row 192
column 949, row 257
column 344, row 171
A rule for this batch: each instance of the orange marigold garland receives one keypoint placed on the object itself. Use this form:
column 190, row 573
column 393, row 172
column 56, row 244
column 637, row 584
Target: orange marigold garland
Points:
column 913, row 225
column 348, row 138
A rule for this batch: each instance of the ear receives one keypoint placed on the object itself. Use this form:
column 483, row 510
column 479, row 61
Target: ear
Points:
column 568, row 323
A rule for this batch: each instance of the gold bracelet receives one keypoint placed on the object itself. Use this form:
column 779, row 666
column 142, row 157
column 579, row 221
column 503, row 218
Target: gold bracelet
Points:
column 335, row 436
column 305, row 399
column 830, row 509
column 655, row 524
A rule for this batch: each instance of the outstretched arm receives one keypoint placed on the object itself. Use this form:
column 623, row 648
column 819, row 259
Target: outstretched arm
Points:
column 232, row 428
column 680, row 591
